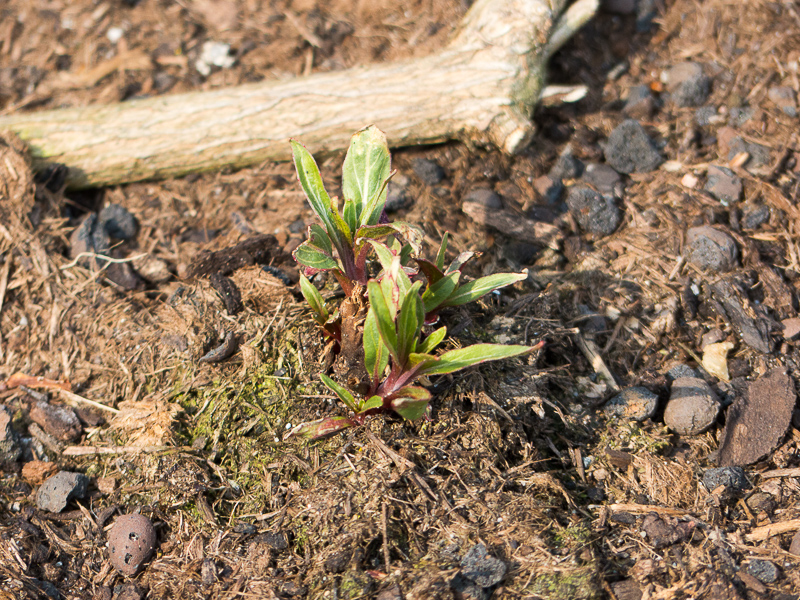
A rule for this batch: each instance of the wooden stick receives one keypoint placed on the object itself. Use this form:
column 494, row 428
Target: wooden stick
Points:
column 481, row 87
column 764, row 532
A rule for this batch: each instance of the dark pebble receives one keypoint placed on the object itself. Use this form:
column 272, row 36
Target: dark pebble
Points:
column 637, row 403
column 706, row 115
column 549, row 189
column 163, row 81
column 56, row 492
column 681, row 371
column 630, row 150
column 763, row 570
column 208, row 572
column 228, row 291
column 732, row 478
column 466, row 589
column 604, row 179
column 118, row 222
column 723, row 184
column 9, row 448
column 566, row 167
column 279, row 274
column 276, row 540
column 755, row 216
column 761, row 502
column 759, row 155
column 687, row 84
column 82, row 238
column 484, row 197
column 129, row 591
column 59, row 421
column 298, row 226
column 478, row 566
column 664, row 531
column 131, row 542
column 594, row 212
column 427, row 170
column 397, row 196
column 692, row 407
column 711, row 249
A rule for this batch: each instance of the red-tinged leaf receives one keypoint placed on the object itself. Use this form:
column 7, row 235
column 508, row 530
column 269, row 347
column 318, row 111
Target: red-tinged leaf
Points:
column 432, row 273
column 312, row 256
column 343, row 393
column 440, row 256
column 459, row 261
column 440, row 292
column 410, row 402
column 315, row 430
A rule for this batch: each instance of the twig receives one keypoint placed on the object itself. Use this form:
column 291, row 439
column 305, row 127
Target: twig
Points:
column 102, row 257
column 781, row 473
column 643, row 509
column 97, row 450
column 385, row 532
column 48, row 440
column 592, row 354
column 759, row 534
column 73, row 399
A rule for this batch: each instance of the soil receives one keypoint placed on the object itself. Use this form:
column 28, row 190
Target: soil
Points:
column 184, row 361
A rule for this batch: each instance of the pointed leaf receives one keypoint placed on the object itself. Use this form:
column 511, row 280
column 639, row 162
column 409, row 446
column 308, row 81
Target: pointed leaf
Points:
column 316, row 258
column 311, row 181
column 410, row 402
column 345, row 235
column 371, row 404
column 366, row 168
column 405, row 253
column 461, row 358
column 434, row 339
column 315, row 430
column 385, row 256
column 349, row 215
column 376, row 354
column 344, row 394
column 440, row 292
column 459, row 261
column 314, row 299
column 383, row 317
column 480, row 287
column 411, row 233
column 416, row 358
column 409, row 322
column 442, row 251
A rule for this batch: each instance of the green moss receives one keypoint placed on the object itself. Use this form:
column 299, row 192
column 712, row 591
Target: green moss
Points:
column 573, row 538
column 581, row 583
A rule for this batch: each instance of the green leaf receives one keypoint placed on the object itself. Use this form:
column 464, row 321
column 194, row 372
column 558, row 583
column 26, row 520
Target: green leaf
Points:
column 345, row 235
column 439, row 293
column 372, row 232
column 383, row 317
column 405, row 253
column 411, row 233
column 385, row 256
column 480, row 287
column 409, row 322
column 461, row 358
column 349, row 215
column 373, row 402
column 315, row 430
column 442, row 250
column 434, row 339
column 314, row 299
column 311, row 181
column 317, row 236
column 410, row 402
column 316, row 258
column 344, row 395
column 416, row 358
column 459, row 261
column 376, row 354
column 364, row 173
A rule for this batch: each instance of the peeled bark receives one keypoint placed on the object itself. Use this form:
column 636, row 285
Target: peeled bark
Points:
column 481, row 87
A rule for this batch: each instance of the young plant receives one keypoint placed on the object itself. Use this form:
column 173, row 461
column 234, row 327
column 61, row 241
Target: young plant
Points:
column 397, row 354
column 340, row 245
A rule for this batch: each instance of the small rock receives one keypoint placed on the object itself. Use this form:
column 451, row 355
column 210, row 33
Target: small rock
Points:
column 214, row 54
column 637, row 403
column 548, row 188
column 784, row 98
column 711, row 249
column 103, row 593
column 640, row 103
column 733, row 479
column 730, row 145
column 604, row 179
column 59, row 421
column 763, row 570
column 739, row 115
column 724, row 185
column 56, row 492
column 481, row 568
column 152, row 268
column 630, row 150
column 397, row 196
column 681, row 370
column 298, row 226
column 276, row 540
column 761, row 502
column 755, row 216
column 791, row 328
column 707, row 115
column 594, row 212
column 129, row 591
column 627, row 589
column 566, row 167
column 466, row 589
column 36, row 472
column 390, row 593
column 118, row 222
column 82, row 240
column 665, row 531
column 687, row 84
column 692, row 407
column 714, row 336
column 208, row 572
column 131, row 542
column 163, row 81
column 484, row 197
column 9, row 449
column 114, row 34
column 427, row 170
